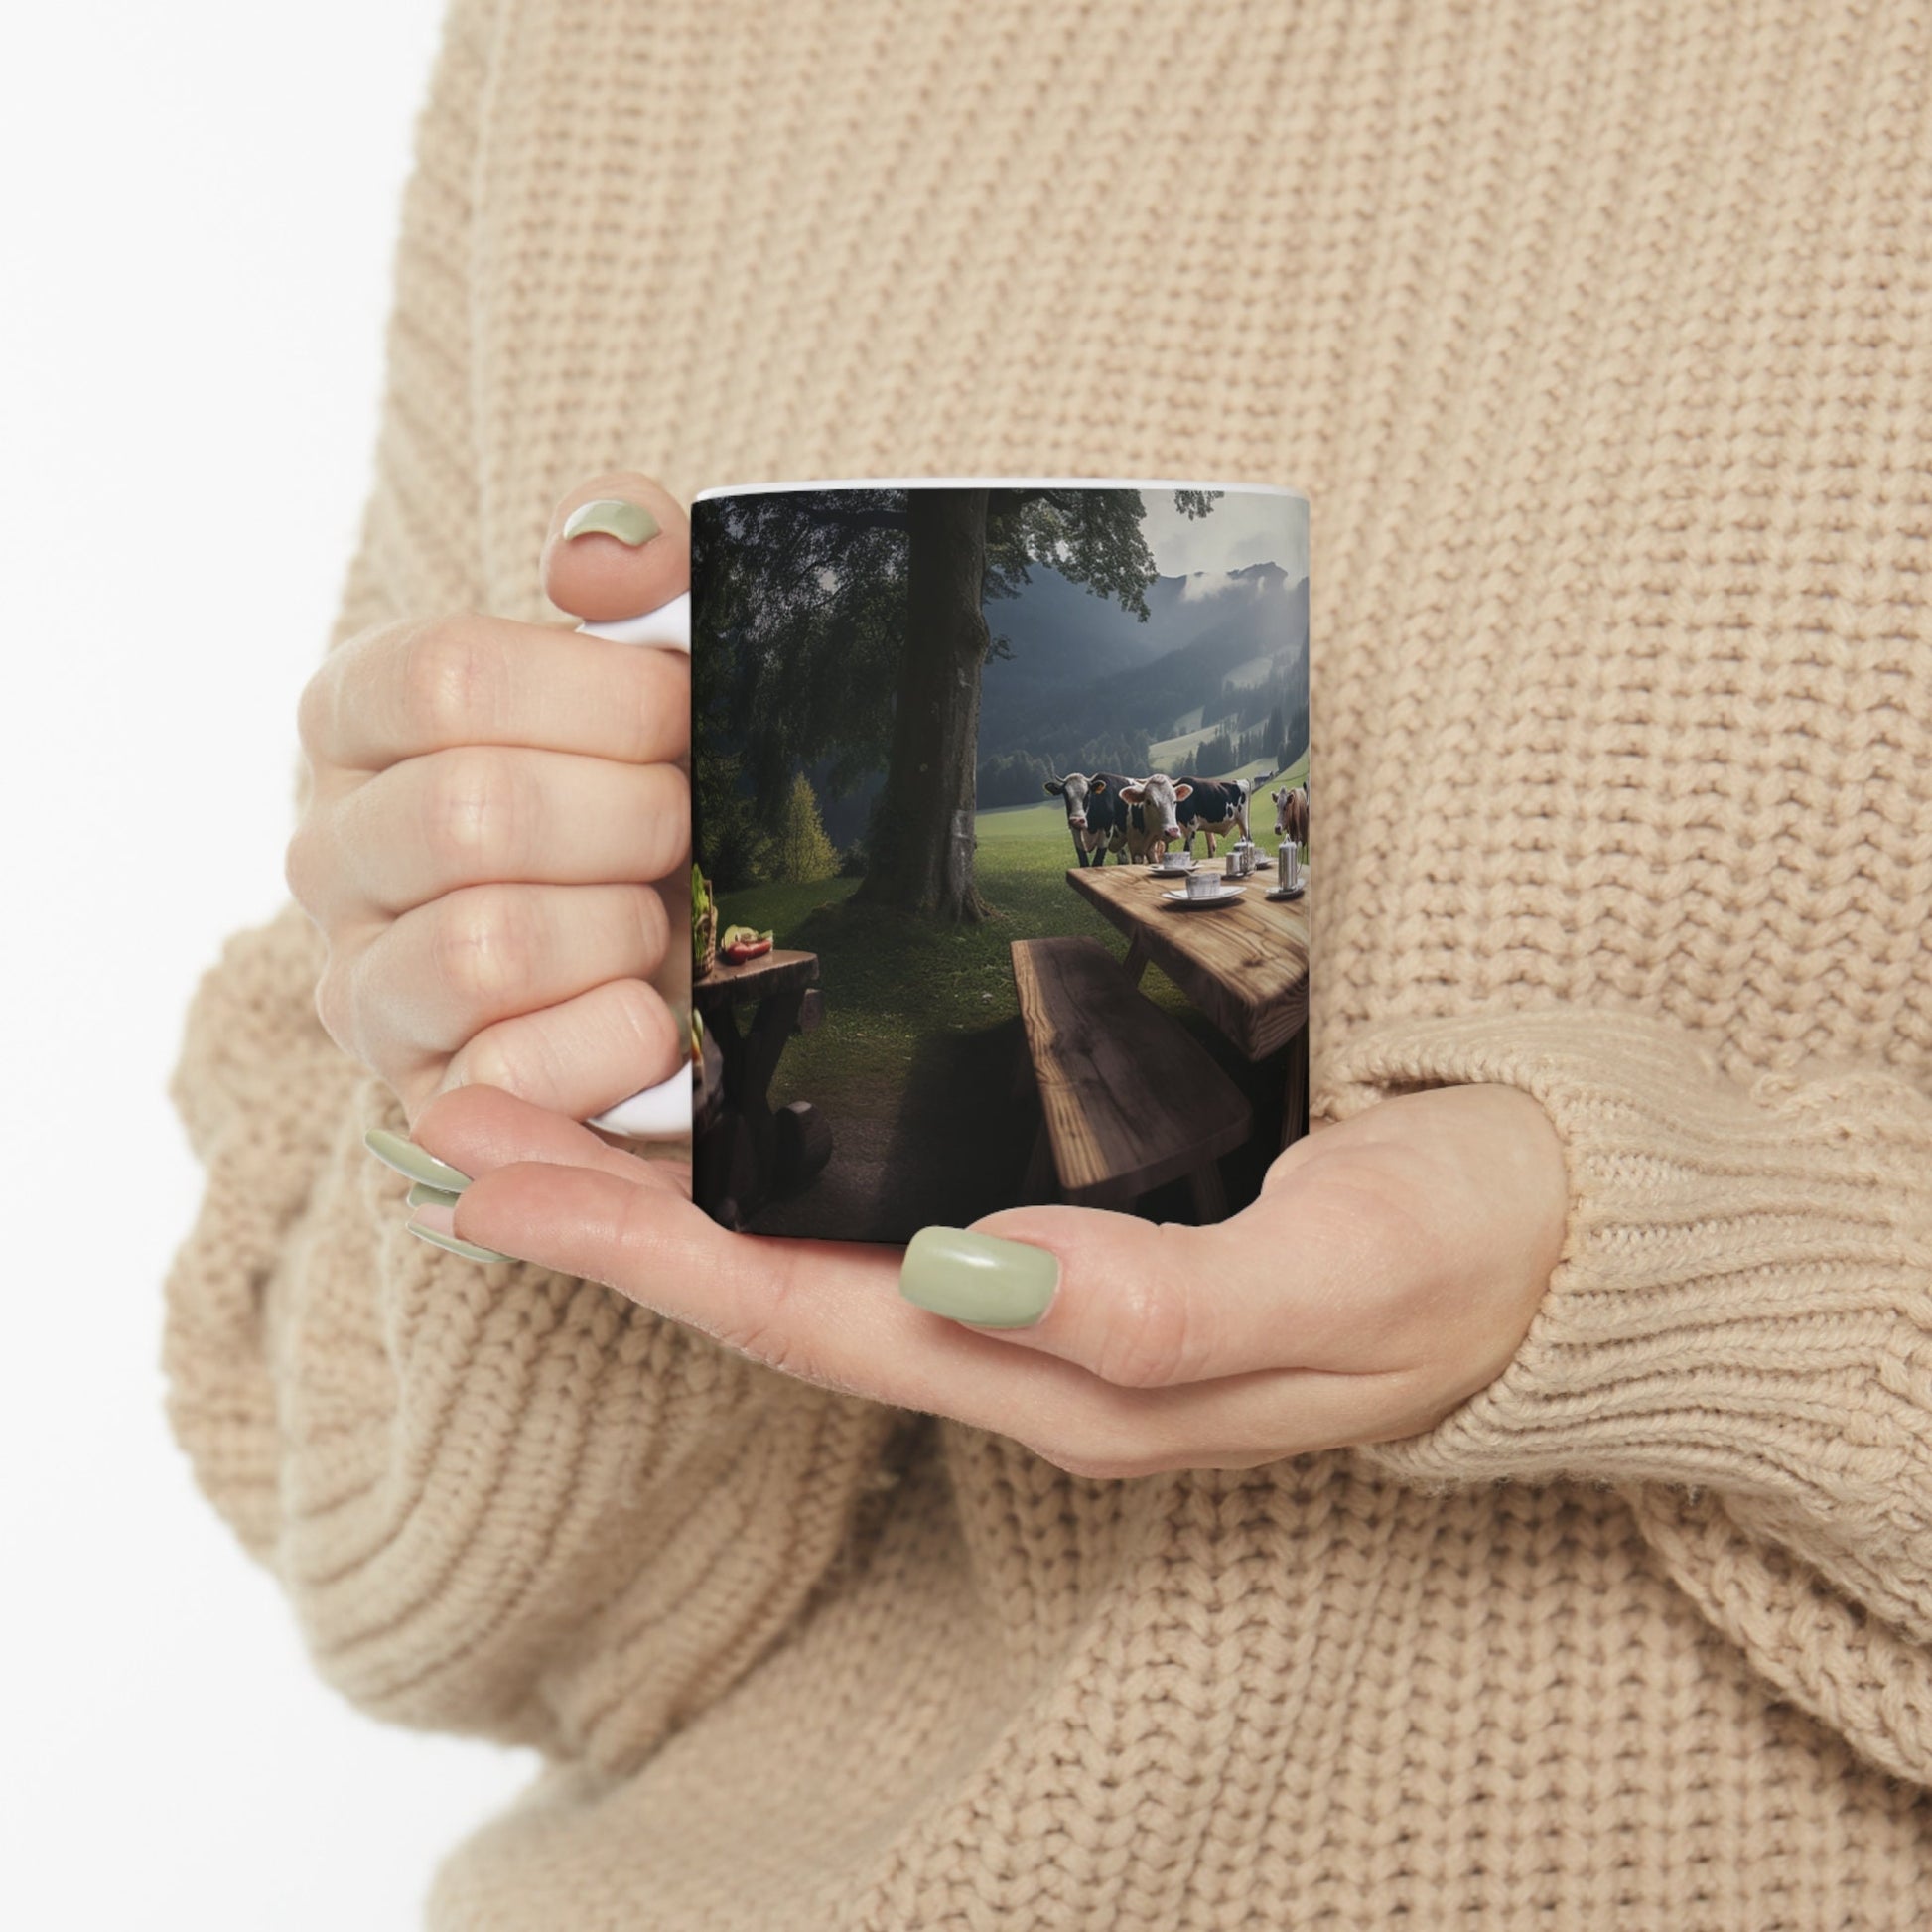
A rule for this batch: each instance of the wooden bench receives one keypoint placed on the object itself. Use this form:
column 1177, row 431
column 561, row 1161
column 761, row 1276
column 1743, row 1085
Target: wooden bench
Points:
column 1128, row 1100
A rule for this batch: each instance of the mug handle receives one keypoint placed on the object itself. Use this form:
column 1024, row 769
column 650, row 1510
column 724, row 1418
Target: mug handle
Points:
column 662, row 1112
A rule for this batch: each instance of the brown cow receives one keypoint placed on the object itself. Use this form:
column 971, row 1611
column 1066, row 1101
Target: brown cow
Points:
column 1291, row 814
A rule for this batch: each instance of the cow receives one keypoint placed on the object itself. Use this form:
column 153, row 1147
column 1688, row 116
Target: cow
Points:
column 1214, row 808
column 1095, row 814
column 1154, row 823
column 1291, row 814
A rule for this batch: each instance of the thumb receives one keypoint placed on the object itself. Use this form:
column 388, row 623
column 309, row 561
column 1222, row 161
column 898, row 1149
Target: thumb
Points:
column 619, row 545
column 1139, row 1303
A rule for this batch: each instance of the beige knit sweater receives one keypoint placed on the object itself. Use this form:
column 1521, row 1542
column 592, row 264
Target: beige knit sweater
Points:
column 1601, row 337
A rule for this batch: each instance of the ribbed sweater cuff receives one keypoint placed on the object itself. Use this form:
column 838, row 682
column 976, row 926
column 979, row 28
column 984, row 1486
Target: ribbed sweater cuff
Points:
column 1745, row 1299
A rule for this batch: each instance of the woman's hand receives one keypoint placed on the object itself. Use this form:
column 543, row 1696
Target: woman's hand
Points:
column 1388, row 1270
column 489, row 803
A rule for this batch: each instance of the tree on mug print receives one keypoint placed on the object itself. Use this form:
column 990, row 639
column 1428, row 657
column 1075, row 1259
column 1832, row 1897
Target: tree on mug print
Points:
column 891, row 686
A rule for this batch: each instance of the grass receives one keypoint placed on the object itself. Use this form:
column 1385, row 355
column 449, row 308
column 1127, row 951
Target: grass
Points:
column 1166, row 752
column 1296, row 774
column 891, row 981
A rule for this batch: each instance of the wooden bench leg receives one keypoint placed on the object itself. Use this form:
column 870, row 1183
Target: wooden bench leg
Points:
column 1211, row 1196
column 1294, row 1101
column 1022, row 1086
column 1042, row 1181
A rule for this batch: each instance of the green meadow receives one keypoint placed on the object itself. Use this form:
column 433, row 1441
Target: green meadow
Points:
column 889, row 980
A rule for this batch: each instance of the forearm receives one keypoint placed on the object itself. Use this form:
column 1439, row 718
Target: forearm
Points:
column 1740, row 1329
column 451, row 1469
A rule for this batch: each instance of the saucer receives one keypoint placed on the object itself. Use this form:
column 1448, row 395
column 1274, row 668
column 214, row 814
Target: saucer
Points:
column 1288, row 892
column 1192, row 903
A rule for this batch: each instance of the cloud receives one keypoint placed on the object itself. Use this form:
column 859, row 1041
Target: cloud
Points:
column 1199, row 584
column 1237, row 530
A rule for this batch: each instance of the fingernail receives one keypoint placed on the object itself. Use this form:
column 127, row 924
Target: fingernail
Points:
column 433, row 1217
column 424, row 1195
column 408, row 1158
column 456, row 1244
column 978, row 1278
column 610, row 517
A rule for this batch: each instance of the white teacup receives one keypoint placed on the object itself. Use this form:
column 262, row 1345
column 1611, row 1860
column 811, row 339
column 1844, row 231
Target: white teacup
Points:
column 1204, row 885
column 1178, row 862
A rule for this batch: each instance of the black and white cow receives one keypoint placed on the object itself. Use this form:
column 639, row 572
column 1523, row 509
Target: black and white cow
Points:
column 1154, row 815
column 1291, row 814
column 1214, row 808
column 1095, row 813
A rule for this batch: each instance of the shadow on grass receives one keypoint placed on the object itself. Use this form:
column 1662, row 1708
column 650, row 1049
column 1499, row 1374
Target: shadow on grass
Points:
column 914, row 1069
column 939, row 1147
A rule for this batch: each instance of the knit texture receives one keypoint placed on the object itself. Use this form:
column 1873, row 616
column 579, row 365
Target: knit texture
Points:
column 1602, row 338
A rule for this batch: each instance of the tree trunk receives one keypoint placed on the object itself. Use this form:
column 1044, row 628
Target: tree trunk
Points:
column 921, row 858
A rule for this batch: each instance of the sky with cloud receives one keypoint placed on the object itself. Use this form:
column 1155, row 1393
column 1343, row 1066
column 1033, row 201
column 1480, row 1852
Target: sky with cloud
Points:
column 1238, row 531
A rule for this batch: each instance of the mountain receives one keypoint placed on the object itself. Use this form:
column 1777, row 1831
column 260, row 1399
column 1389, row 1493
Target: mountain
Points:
column 1082, row 668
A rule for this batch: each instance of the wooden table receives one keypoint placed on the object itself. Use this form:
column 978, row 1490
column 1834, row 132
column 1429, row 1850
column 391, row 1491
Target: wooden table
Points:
column 748, row 1151
column 1245, row 966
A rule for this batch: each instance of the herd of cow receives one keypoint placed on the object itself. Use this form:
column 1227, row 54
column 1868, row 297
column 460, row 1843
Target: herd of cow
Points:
column 1137, row 819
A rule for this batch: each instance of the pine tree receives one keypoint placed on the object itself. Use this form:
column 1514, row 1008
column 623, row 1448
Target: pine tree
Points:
column 805, row 853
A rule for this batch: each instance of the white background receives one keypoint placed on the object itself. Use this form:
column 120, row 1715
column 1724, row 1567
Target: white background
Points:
column 197, row 208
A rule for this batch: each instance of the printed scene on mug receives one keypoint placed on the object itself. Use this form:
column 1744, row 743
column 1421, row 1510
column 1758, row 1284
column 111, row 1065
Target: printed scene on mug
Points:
column 1001, row 879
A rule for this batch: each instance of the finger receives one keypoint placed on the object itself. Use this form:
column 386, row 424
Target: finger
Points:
column 826, row 1311
column 1295, row 1281
column 439, row 975
column 475, row 1129
column 619, row 545
column 581, row 1055
column 481, row 815
column 409, row 689
column 830, row 1314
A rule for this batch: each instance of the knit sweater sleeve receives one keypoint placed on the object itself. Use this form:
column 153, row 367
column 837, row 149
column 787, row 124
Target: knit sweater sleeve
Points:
column 501, row 1500
column 1738, row 1335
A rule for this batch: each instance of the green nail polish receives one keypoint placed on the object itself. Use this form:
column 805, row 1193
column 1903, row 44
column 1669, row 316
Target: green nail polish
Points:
column 610, row 517
column 978, row 1278
column 466, row 1249
column 424, row 1195
column 408, row 1158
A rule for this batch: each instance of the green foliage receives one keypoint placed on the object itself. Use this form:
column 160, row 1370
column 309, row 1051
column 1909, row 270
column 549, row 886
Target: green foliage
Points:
column 799, row 635
column 1090, row 536
column 1013, row 778
column 803, row 623
column 890, row 980
column 734, row 848
column 1214, row 753
column 803, row 854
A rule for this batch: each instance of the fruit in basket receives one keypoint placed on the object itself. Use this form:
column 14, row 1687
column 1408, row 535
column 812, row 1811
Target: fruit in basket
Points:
column 737, row 943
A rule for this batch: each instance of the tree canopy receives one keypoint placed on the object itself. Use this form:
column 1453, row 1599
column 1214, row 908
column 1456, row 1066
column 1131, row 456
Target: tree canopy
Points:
column 846, row 630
